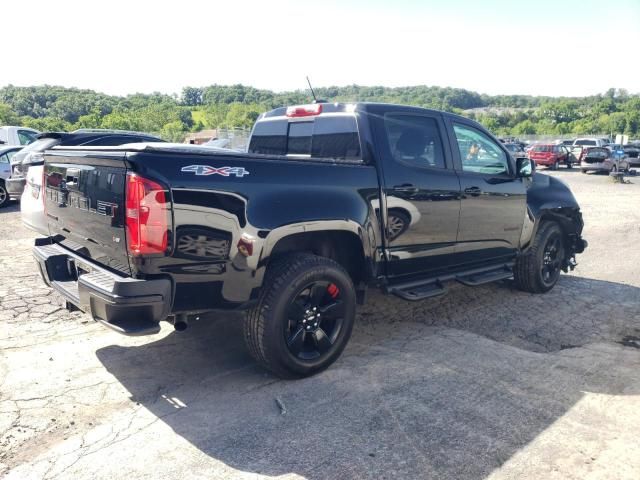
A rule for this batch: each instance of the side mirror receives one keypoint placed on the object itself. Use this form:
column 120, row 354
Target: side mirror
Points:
column 525, row 167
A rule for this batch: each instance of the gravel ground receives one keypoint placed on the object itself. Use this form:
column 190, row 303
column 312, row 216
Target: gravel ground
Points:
column 484, row 382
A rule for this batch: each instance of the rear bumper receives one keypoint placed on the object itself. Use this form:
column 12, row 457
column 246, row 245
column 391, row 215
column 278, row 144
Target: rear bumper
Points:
column 599, row 167
column 127, row 305
column 544, row 162
column 15, row 187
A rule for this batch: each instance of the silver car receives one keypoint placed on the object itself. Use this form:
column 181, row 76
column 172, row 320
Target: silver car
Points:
column 602, row 159
column 6, row 153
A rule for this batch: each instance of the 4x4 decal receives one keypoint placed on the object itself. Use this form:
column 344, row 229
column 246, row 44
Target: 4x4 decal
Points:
column 209, row 170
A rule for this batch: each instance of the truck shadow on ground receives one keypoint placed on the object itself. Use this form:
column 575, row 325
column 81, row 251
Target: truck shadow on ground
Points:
column 11, row 207
column 447, row 388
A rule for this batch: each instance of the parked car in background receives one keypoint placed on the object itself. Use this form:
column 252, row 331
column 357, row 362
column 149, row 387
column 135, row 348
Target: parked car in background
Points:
column 516, row 150
column 17, row 135
column 6, row 154
column 633, row 154
column 29, row 184
column 617, row 150
column 603, row 159
column 582, row 145
column 568, row 143
column 551, row 155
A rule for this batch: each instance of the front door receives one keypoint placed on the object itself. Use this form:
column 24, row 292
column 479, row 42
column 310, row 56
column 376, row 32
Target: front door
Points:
column 421, row 192
column 493, row 205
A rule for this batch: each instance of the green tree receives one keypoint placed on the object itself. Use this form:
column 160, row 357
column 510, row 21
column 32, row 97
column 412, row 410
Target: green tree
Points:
column 8, row 116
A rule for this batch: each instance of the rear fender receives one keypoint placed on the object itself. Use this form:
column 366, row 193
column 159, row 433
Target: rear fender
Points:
column 366, row 238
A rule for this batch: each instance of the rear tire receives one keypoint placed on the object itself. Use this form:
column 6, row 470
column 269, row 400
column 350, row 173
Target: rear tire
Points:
column 582, row 170
column 4, row 195
column 283, row 332
column 538, row 270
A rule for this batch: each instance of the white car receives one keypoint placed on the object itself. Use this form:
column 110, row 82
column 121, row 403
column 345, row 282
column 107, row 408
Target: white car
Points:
column 589, row 142
column 17, row 135
column 32, row 202
column 400, row 215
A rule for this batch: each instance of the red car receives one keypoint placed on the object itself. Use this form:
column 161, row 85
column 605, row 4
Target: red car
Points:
column 551, row 155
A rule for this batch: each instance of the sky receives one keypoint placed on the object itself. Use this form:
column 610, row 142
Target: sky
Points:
column 536, row 47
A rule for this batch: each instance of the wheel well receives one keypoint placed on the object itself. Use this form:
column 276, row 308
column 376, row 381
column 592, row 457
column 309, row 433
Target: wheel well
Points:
column 564, row 218
column 343, row 247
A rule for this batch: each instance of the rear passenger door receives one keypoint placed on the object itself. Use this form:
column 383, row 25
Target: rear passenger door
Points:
column 421, row 192
column 493, row 202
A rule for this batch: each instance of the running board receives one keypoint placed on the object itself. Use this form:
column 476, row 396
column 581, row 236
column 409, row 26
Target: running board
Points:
column 432, row 287
column 416, row 291
column 485, row 277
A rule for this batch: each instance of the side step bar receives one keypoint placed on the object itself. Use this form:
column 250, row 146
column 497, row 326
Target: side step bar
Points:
column 474, row 280
column 419, row 291
column 432, row 287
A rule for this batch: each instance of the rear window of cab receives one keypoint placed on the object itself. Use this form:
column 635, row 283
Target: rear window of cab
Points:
column 325, row 136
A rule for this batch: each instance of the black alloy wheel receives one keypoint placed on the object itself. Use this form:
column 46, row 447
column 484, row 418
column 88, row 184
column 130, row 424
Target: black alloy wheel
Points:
column 552, row 257
column 304, row 317
column 315, row 318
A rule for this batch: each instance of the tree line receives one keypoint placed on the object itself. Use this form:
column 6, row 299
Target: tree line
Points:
column 52, row 108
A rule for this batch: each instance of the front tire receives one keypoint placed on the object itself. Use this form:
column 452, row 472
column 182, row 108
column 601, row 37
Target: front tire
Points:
column 538, row 270
column 4, row 195
column 304, row 316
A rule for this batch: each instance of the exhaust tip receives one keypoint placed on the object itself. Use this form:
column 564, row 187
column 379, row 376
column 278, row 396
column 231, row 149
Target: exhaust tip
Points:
column 180, row 323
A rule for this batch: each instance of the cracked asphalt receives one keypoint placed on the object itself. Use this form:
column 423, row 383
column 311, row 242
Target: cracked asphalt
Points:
column 484, row 382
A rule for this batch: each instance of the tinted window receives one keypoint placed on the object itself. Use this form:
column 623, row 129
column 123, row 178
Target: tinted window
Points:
column 586, row 142
column 330, row 136
column 598, row 153
column 26, row 137
column 269, row 137
column 299, row 138
column 479, row 153
column 415, row 140
column 336, row 137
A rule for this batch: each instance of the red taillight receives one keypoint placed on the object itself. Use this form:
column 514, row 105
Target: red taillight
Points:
column 304, row 110
column 147, row 216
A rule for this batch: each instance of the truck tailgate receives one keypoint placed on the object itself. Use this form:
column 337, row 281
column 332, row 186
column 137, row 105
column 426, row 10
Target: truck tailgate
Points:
column 85, row 205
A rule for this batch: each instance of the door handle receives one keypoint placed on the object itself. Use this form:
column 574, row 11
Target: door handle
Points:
column 473, row 191
column 406, row 188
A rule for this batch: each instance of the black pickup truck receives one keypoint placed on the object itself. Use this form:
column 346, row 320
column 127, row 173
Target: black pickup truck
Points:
column 329, row 199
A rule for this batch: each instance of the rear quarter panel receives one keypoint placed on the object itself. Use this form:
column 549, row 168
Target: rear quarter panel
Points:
column 275, row 198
